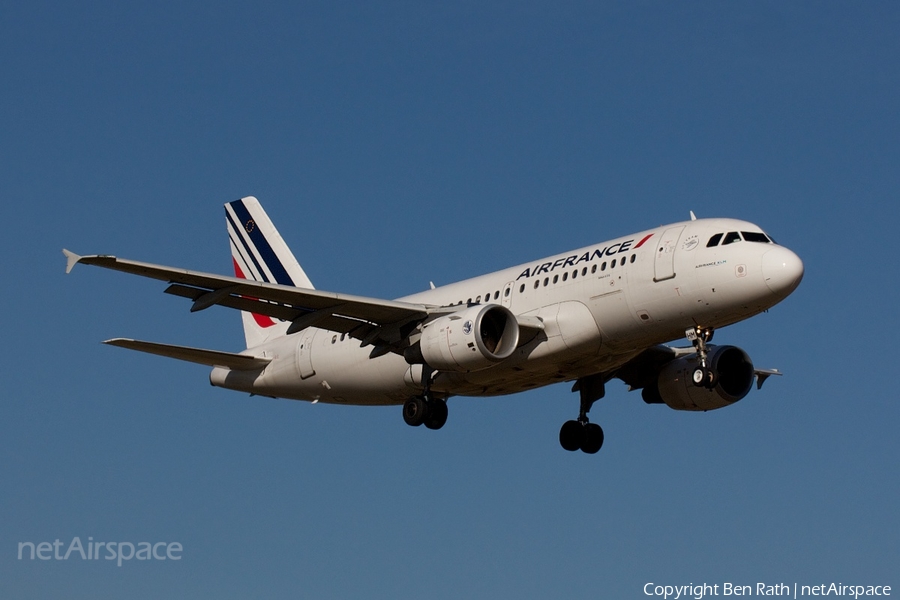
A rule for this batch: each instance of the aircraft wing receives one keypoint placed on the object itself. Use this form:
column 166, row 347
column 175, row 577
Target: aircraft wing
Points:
column 374, row 321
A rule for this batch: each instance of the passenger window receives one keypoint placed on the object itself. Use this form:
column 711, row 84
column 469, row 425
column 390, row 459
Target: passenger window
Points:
column 622, row 262
column 612, row 265
column 536, row 284
column 633, row 258
column 714, row 240
column 546, row 281
column 731, row 237
column 755, row 236
column 505, row 293
column 593, row 269
column 584, row 272
column 565, row 276
column 478, row 300
column 521, row 288
column 574, row 273
column 555, row 278
column 497, row 294
column 603, row 266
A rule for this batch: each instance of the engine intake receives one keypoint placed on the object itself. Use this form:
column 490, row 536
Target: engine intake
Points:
column 733, row 370
column 471, row 339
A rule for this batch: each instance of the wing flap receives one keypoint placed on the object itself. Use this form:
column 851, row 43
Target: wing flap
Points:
column 212, row 358
column 253, row 305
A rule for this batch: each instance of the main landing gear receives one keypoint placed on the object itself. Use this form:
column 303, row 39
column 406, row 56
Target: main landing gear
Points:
column 425, row 409
column 702, row 376
column 582, row 434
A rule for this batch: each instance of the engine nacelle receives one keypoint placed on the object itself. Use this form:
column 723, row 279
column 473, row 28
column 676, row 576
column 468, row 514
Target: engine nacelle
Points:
column 734, row 378
column 472, row 339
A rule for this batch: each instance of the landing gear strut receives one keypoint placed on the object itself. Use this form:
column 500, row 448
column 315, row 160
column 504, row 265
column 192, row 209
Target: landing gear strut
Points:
column 702, row 376
column 425, row 409
column 582, row 434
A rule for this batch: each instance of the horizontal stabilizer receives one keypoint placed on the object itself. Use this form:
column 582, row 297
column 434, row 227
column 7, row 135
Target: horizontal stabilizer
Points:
column 213, row 358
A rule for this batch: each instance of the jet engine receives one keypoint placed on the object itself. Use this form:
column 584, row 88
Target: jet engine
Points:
column 471, row 339
column 732, row 376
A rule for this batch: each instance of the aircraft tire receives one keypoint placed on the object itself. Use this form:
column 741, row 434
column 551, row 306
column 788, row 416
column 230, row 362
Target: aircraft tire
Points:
column 436, row 414
column 414, row 411
column 700, row 376
column 593, row 438
column 571, row 436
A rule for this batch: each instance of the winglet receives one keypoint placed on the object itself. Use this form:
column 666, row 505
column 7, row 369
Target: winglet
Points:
column 763, row 374
column 71, row 260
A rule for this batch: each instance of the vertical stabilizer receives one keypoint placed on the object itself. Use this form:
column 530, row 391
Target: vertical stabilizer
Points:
column 258, row 252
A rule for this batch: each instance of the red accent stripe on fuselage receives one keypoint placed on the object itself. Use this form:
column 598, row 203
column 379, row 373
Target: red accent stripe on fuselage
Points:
column 641, row 243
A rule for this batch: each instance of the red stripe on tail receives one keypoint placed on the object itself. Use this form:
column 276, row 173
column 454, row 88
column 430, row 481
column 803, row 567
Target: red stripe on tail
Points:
column 261, row 320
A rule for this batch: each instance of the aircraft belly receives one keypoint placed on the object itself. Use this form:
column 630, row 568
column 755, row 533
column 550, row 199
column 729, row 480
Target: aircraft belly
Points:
column 336, row 371
column 346, row 375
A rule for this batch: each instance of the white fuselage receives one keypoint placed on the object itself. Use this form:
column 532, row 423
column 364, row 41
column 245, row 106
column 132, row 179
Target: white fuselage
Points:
column 600, row 306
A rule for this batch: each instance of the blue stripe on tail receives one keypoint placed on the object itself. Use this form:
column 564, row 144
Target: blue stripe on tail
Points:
column 261, row 243
column 242, row 242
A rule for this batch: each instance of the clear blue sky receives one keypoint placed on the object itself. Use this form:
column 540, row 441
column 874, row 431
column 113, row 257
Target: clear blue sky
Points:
column 399, row 143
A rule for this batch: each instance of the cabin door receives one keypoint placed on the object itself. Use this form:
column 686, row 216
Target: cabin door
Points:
column 664, row 267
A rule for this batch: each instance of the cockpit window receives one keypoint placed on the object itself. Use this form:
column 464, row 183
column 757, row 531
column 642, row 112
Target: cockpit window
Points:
column 714, row 240
column 755, row 236
column 731, row 237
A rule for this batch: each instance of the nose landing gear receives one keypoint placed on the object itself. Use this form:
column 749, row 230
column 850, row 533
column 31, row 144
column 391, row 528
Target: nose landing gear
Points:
column 702, row 376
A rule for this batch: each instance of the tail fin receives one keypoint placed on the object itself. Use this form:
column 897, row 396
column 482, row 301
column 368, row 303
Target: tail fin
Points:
column 258, row 252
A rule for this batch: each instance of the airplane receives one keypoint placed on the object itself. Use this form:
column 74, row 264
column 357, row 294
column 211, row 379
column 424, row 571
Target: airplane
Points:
column 586, row 316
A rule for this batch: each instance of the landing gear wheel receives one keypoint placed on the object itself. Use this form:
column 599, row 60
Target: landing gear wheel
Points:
column 414, row 411
column 571, row 436
column 436, row 414
column 593, row 438
column 700, row 376
column 712, row 378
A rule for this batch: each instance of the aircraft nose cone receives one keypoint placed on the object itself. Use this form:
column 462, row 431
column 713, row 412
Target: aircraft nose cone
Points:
column 782, row 270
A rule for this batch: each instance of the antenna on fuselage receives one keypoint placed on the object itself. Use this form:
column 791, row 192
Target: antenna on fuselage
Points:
column 693, row 216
